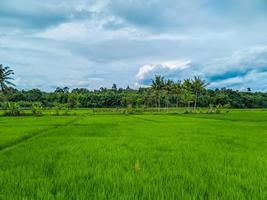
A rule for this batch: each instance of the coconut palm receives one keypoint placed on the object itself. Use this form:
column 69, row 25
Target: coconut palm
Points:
column 176, row 89
column 5, row 77
column 157, row 86
column 168, row 87
column 198, row 86
column 186, row 97
column 187, row 85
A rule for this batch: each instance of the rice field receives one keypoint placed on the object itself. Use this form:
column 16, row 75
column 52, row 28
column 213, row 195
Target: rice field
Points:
column 146, row 156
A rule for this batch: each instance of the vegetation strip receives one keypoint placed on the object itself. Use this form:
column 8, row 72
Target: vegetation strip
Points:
column 190, row 93
column 34, row 135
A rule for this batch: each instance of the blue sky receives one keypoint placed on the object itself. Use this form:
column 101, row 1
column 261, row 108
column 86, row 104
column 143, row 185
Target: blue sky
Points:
column 94, row 43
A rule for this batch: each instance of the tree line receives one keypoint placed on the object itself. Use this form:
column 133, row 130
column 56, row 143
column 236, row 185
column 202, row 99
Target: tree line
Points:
column 163, row 93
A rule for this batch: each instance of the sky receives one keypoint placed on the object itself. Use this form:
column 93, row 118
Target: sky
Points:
column 95, row 43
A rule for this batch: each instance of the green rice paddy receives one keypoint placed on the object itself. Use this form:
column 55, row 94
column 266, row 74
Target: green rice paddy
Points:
column 149, row 156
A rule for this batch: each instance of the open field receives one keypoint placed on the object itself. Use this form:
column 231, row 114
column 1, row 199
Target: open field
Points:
column 149, row 156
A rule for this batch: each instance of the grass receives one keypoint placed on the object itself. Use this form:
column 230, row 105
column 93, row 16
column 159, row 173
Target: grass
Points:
column 146, row 156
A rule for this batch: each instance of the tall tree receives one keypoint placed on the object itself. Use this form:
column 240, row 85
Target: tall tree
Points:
column 186, row 93
column 66, row 89
column 177, row 88
column 198, row 86
column 114, row 87
column 157, row 86
column 168, row 87
column 5, row 78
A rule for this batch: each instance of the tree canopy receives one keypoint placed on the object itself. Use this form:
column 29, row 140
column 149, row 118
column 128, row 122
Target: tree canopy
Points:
column 6, row 78
column 162, row 93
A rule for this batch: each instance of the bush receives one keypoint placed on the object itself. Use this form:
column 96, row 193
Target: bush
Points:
column 188, row 111
column 12, row 109
column 215, row 110
column 218, row 109
column 129, row 109
column 58, row 108
column 37, row 109
column 211, row 109
column 2, row 100
column 227, row 106
column 66, row 110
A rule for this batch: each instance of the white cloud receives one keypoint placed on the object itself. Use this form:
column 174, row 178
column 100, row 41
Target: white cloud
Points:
column 143, row 71
column 244, row 68
column 176, row 64
column 172, row 65
column 67, row 31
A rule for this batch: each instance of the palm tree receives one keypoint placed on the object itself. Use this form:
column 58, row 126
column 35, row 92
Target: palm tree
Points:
column 186, row 93
column 177, row 91
column 168, row 86
column 5, row 77
column 157, row 86
column 186, row 97
column 187, row 85
column 198, row 86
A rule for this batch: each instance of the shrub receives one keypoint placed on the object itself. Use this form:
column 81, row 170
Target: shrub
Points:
column 215, row 110
column 61, row 109
column 188, row 111
column 12, row 109
column 57, row 108
column 37, row 109
column 66, row 110
column 211, row 109
column 129, row 109
column 218, row 109
column 227, row 106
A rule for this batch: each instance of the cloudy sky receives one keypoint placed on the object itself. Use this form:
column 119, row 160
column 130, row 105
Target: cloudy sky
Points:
column 93, row 43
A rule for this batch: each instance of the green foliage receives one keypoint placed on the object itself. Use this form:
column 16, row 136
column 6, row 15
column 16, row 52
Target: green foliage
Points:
column 188, row 111
column 12, row 109
column 129, row 109
column 218, row 109
column 5, row 78
column 3, row 99
column 66, row 110
column 37, row 109
column 227, row 106
column 73, row 101
column 162, row 93
column 57, row 108
column 211, row 109
column 198, row 87
column 215, row 109
column 61, row 109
